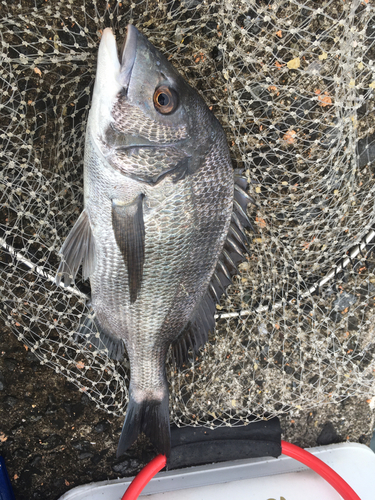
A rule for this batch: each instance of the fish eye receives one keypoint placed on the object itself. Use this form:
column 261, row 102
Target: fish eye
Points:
column 165, row 100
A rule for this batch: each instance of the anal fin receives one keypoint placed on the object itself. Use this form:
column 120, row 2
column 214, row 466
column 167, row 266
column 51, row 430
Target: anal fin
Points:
column 129, row 230
column 93, row 336
column 78, row 248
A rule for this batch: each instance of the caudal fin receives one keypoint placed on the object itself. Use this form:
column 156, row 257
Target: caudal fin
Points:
column 150, row 417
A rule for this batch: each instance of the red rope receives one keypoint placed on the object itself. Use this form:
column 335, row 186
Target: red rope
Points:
column 321, row 468
column 293, row 451
column 143, row 477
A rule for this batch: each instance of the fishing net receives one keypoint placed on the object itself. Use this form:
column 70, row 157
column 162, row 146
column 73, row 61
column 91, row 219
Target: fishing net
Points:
column 293, row 84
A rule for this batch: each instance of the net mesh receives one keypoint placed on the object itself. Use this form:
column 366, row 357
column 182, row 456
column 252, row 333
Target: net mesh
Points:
column 293, row 84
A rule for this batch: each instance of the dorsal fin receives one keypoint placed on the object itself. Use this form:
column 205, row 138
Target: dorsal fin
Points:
column 195, row 334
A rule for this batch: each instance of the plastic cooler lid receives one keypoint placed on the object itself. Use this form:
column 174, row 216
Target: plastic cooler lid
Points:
column 257, row 478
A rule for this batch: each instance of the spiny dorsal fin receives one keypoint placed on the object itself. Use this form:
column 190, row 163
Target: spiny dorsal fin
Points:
column 202, row 322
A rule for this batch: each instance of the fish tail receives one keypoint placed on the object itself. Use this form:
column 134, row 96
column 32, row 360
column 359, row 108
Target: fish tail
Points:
column 151, row 417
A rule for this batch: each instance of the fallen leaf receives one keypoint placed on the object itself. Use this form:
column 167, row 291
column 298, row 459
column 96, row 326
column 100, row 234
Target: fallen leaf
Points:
column 199, row 57
column 261, row 222
column 324, row 99
column 306, row 244
column 294, row 63
column 290, row 136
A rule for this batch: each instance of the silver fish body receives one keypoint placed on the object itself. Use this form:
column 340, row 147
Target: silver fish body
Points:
column 154, row 236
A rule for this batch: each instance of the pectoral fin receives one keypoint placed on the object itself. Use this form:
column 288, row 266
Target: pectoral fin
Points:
column 129, row 229
column 79, row 247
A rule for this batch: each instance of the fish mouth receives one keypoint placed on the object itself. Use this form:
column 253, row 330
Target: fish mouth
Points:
column 127, row 55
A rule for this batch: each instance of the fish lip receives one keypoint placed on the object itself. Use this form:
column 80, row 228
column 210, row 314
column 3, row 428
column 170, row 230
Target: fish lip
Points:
column 127, row 56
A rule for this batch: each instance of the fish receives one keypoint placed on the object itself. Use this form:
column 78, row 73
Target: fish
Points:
column 163, row 226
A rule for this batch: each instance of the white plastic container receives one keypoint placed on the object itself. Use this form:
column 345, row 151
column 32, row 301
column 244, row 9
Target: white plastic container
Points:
column 251, row 479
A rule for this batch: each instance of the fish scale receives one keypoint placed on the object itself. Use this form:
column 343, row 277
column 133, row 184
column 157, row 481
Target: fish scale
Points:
column 158, row 205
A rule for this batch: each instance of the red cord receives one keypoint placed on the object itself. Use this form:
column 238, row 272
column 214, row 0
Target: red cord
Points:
column 293, row 451
column 143, row 477
column 321, row 468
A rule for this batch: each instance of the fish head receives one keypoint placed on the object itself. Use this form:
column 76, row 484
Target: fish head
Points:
column 152, row 84
column 141, row 101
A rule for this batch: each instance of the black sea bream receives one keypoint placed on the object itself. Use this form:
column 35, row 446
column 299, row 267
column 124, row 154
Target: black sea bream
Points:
column 162, row 225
